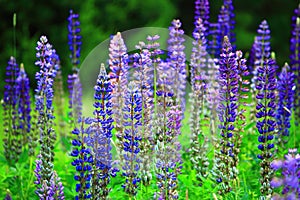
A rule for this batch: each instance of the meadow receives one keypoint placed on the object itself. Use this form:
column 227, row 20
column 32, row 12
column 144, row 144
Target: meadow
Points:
column 213, row 123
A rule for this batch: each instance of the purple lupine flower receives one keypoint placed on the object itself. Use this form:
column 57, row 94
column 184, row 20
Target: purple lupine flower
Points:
column 176, row 57
column 286, row 90
column 198, row 64
column 202, row 11
column 266, row 123
column 228, row 4
column 83, row 159
column 43, row 101
column 101, row 137
column 228, row 81
column 143, row 69
column 74, row 85
column 168, row 161
column 24, row 110
column 224, row 26
column 214, row 42
column 74, row 39
column 57, row 189
column 12, row 139
column 132, row 138
column 290, row 179
column 295, row 60
column 118, row 63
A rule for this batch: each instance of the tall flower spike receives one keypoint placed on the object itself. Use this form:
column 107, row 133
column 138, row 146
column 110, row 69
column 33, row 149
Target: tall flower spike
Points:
column 266, row 123
column 132, row 137
column 198, row 64
column 295, row 60
column 83, row 159
column 74, row 85
column 286, row 92
column 168, row 161
column 24, row 109
column 118, row 63
column 142, row 73
column 177, row 61
column 100, row 139
column 12, row 139
column 202, row 11
column 74, row 39
column 290, row 176
column 228, row 81
column 43, row 102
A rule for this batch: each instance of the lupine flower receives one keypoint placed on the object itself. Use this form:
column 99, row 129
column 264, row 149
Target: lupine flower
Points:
column 100, row 139
column 44, row 108
column 12, row 139
column 118, row 63
column 83, row 159
column 24, row 109
column 198, row 64
column 74, row 38
column 202, row 11
column 262, row 53
column 177, row 61
column 168, row 161
column 228, row 80
column 290, row 179
column 132, row 137
column 74, row 85
column 266, row 123
column 295, row 60
column 214, row 43
column 286, row 92
column 142, row 66
column 228, row 4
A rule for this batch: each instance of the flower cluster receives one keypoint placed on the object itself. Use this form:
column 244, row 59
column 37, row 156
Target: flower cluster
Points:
column 24, row 109
column 74, row 85
column 286, row 91
column 266, row 123
column 197, row 120
column 295, row 59
column 132, row 137
column 100, row 139
column 43, row 101
column 228, row 80
column 290, row 179
column 12, row 139
column 177, row 61
column 83, row 159
column 118, row 63
column 202, row 12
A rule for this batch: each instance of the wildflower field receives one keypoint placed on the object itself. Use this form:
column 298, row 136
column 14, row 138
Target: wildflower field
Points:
column 171, row 116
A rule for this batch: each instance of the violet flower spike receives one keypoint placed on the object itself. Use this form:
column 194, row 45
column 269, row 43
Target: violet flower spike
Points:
column 202, row 11
column 285, row 87
column 177, row 59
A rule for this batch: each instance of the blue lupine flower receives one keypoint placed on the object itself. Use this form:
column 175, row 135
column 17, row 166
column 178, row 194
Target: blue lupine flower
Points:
column 12, row 140
column 286, row 89
column 229, row 87
column 266, row 123
column 100, row 139
column 132, row 138
column 295, row 60
column 177, row 61
column 202, row 12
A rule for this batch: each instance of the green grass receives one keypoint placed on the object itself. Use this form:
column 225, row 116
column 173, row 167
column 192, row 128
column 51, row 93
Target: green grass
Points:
column 18, row 180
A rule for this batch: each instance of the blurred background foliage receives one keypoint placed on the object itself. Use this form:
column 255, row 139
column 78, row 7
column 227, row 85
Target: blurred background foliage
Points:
column 101, row 18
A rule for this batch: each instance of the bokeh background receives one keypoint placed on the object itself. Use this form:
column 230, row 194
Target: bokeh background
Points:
column 101, row 18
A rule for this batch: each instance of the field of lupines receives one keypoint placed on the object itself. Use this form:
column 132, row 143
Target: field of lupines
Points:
column 220, row 124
